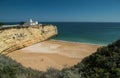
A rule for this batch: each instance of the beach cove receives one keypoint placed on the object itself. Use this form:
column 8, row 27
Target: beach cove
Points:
column 53, row 54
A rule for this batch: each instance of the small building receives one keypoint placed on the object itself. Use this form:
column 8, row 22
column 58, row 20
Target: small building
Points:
column 31, row 23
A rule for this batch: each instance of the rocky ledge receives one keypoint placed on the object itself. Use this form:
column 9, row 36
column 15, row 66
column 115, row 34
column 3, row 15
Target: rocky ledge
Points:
column 14, row 38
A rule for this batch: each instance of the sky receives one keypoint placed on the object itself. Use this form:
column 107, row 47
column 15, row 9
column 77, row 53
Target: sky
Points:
column 60, row 10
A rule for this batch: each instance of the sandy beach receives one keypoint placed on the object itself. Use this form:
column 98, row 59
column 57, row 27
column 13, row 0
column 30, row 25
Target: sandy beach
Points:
column 53, row 53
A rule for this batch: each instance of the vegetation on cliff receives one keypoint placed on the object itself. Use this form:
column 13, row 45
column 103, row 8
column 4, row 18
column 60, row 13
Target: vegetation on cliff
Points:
column 104, row 63
column 11, row 69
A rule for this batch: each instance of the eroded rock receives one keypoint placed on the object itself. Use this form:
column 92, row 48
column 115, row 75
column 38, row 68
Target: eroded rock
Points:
column 14, row 38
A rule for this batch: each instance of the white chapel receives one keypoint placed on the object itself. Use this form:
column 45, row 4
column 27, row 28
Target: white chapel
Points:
column 31, row 23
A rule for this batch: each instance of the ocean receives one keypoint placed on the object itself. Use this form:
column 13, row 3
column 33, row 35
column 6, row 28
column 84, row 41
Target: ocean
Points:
column 88, row 32
column 101, row 33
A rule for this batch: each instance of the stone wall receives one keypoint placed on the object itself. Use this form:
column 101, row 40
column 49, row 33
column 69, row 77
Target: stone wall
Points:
column 14, row 38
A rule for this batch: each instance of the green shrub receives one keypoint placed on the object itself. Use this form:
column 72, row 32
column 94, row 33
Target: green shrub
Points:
column 105, row 63
column 11, row 69
column 52, row 73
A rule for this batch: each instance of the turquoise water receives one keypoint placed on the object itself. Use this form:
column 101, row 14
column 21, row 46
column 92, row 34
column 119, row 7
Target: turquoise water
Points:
column 85, row 32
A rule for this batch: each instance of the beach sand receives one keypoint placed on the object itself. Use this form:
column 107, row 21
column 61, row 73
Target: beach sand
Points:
column 53, row 54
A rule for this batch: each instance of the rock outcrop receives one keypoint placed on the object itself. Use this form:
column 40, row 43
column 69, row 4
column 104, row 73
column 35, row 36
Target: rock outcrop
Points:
column 14, row 38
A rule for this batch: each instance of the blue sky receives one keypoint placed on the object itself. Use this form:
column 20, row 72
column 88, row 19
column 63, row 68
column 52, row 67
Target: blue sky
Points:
column 60, row 10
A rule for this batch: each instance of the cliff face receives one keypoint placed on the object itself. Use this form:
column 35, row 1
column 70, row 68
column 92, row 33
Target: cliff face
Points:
column 14, row 38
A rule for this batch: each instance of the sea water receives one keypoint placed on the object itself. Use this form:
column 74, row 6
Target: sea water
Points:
column 101, row 33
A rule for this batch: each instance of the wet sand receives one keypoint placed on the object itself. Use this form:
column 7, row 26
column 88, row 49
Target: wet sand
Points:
column 53, row 53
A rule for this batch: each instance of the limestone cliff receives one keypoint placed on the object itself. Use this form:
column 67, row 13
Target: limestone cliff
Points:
column 13, row 38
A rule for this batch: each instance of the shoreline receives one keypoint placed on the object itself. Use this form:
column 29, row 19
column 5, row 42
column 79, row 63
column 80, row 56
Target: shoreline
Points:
column 79, row 42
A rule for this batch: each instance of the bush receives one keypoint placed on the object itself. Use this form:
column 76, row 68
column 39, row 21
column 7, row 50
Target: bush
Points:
column 105, row 63
column 11, row 69
column 52, row 73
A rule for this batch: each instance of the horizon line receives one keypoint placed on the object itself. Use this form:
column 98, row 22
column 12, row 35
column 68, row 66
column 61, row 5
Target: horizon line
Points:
column 68, row 21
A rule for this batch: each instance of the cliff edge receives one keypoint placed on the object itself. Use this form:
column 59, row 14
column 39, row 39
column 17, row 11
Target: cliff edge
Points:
column 14, row 38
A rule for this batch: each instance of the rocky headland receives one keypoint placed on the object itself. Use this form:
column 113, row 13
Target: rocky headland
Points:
column 14, row 38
